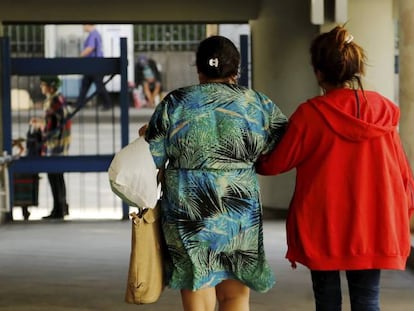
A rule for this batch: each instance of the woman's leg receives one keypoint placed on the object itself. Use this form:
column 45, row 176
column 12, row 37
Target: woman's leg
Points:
column 62, row 195
column 327, row 290
column 199, row 300
column 85, row 85
column 148, row 94
column 54, row 187
column 364, row 287
column 233, row 295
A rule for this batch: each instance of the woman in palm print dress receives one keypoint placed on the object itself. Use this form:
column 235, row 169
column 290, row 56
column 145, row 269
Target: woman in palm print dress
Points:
column 206, row 139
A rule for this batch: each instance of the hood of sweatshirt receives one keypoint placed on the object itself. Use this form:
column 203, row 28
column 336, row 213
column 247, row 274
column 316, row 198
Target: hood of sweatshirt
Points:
column 374, row 116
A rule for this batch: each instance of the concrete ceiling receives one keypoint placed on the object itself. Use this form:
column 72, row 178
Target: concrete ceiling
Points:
column 128, row 11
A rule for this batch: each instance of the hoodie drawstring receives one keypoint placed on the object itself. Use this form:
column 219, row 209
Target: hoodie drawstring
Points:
column 357, row 102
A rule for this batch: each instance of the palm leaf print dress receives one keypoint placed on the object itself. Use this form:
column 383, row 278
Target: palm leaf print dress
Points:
column 208, row 137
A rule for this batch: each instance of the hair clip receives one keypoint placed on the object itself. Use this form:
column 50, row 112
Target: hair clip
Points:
column 349, row 39
column 214, row 62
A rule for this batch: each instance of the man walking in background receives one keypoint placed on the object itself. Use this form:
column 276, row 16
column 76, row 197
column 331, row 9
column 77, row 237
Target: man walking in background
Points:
column 92, row 47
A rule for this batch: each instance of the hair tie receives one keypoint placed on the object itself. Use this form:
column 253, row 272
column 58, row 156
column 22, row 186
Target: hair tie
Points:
column 213, row 62
column 349, row 39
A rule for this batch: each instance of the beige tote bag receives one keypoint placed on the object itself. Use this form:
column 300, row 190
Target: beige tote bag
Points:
column 146, row 268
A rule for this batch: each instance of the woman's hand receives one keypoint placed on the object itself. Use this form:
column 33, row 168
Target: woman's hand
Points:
column 142, row 130
column 37, row 123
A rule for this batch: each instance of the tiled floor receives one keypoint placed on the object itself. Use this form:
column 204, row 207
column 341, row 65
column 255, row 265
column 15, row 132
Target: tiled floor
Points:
column 82, row 265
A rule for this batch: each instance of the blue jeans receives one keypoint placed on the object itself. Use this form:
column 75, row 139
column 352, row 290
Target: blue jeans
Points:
column 363, row 288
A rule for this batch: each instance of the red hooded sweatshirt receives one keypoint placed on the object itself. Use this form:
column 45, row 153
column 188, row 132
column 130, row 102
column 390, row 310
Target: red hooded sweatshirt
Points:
column 354, row 188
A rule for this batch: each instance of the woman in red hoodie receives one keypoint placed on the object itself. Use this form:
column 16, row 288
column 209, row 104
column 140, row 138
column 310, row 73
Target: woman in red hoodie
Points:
column 354, row 187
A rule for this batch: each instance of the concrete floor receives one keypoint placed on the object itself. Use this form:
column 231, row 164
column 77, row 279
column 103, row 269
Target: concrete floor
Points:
column 82, row 265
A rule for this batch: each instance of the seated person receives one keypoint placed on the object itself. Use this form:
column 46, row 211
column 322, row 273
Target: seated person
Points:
column 148, row 76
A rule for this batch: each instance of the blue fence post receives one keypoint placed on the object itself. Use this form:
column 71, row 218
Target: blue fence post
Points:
column 6, row 113
column 67, row 65
column 244, row 60
column 6, row 101
column 124, row 104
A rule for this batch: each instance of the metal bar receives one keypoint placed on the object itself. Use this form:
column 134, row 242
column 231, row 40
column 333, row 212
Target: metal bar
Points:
column 244, row 60
column 26, row 43
column 7, row 118
column 6, row 100
column 123, row 96
column 62, row 164
column 124, row 104
column 64, row 65
column 18, row 41
column 188, row 34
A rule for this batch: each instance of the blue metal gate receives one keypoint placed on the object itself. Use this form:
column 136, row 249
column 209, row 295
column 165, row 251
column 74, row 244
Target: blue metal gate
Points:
column 62, row 66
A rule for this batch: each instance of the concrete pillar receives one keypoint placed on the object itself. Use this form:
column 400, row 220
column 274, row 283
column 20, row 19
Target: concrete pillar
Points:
column 1, row 88
column 406, row 78
column 372, row 25
column 281, row 69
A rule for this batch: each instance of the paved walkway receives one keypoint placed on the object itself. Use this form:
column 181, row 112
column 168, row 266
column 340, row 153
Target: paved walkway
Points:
column 82, row 265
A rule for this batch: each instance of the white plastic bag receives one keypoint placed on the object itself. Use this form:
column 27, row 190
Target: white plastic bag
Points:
column 133, row 175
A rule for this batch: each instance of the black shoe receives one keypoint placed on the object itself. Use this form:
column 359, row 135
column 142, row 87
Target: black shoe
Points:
column 53, row 216
column 25, row 212
column 66, row 210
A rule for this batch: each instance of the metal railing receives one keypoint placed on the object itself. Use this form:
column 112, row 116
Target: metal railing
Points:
column 27, row 40
column 168, row 37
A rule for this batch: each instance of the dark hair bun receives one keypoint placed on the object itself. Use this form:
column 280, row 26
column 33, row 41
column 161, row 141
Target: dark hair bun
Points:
column 336, row 55
column 217, row 57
